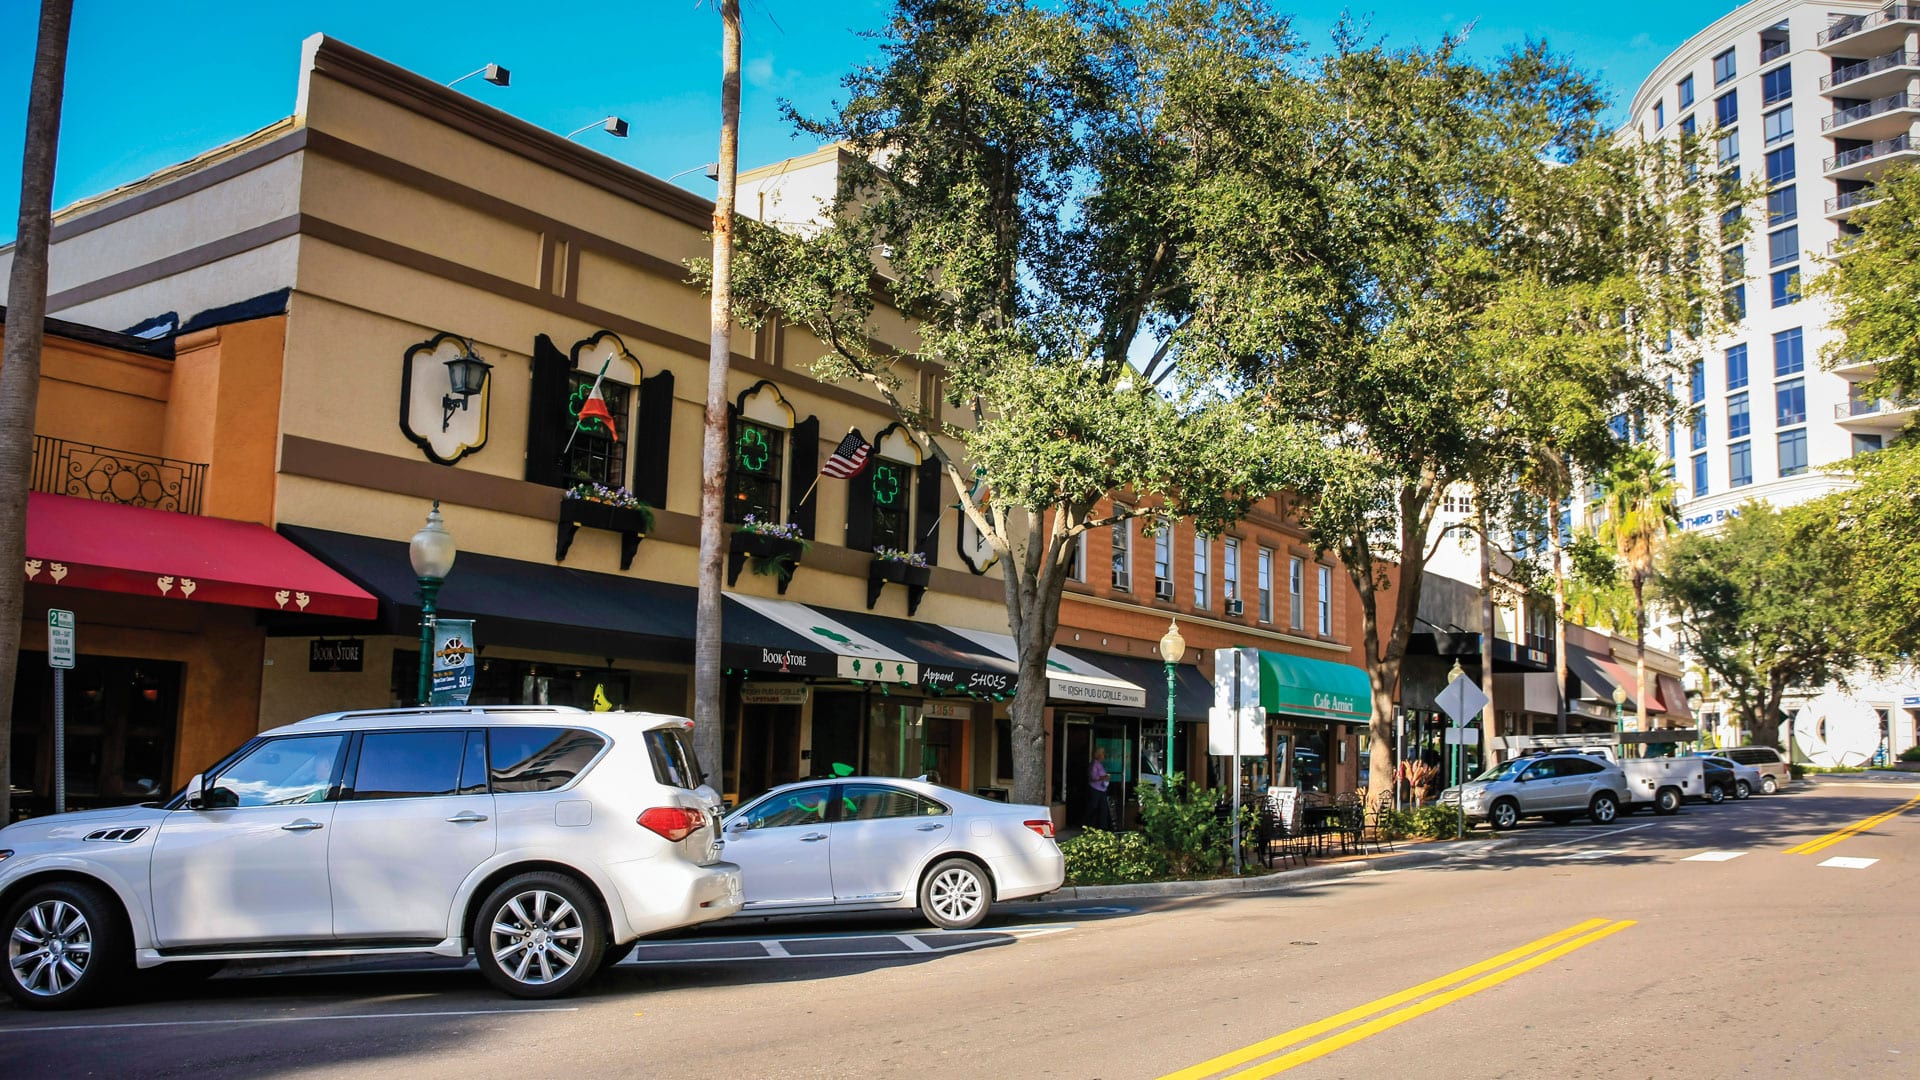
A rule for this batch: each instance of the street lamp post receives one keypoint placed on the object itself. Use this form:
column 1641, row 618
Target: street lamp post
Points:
column 1172, row 648
column 431, row 552
column 1620, row 719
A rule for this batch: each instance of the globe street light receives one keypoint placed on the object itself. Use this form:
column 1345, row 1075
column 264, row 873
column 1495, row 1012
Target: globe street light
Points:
column 1172, row 648
column 431, row 551
column 1619, row 718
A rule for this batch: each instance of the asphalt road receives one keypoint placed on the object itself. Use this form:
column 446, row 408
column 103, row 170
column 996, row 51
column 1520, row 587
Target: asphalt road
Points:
column 1694, row 946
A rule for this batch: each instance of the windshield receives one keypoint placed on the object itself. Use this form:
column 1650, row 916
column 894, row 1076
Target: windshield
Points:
column 1504, row 771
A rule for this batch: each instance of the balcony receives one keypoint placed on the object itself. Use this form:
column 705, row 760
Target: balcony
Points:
column 1880, row 28
column 1868, row 162
column 1840, row 204
column 1774, row 52
column 1882, row 118
column 118, row 476
column 1886, row 414
column 1880, row 75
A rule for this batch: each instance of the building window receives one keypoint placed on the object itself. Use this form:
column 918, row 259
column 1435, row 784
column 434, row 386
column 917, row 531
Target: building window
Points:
column 1777, row 125
column 1077, row 558
column 1296, row 592
column 1740, row 464
column 1697, row 382
column 892, row 485
column 1790, row 403
column 1699, row 440
column 1122, row 553
column 1736, row 367
column 1687, row 127
column 1736, row 301
column 1783, row 246
column 1726, row 109
column 1789, row 352
column 1699, row 475
column 1867, row 444
column 1726, row 148
column 1202, row 569
column 1793, row 452
column 1230, row 569
column 1776, row 85
column 1686, row 91
column 1786, row 286
column 1783, row 204
column 1723, row 68
column 753, row 481
column 1163, row 560
column 1739, row 421
column 1326, row 601
column 597, row 456
column 1659, row 115
column 1265, row 580
column 1780, row 167
column 1673, row 440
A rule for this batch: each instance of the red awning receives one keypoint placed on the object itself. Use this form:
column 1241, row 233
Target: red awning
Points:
column 1627, row 677
column 82, row 543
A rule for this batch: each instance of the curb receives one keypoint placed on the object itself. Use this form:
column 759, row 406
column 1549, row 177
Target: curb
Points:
column 1282, row 880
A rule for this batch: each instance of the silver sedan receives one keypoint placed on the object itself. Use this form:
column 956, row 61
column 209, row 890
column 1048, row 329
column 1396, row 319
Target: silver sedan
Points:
column 862, row 843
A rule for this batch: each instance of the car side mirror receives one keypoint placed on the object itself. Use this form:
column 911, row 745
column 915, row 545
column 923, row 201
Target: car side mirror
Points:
column 195, row 792
column 215, row 797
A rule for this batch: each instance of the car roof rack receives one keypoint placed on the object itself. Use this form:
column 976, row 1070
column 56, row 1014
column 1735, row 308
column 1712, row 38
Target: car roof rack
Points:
column 445, row 710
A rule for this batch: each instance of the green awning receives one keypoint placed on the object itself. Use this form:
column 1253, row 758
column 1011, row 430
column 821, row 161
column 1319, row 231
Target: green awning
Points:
column 1297, row 686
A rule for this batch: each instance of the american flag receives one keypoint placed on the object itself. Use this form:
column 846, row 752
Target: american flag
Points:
column 848, row 458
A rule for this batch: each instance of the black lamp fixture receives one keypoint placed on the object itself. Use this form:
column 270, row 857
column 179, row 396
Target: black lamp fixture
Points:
column 612, row 125
column 467, row 375
column 493, row 73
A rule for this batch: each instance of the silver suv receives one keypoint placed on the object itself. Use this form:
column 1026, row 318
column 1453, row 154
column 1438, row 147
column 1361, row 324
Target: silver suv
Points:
column 1556, row 786
column 544, row 840
column 1774, row 771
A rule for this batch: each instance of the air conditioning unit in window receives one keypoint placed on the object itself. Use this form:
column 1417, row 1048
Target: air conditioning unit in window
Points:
column 1163, row 590
column 1235, row 608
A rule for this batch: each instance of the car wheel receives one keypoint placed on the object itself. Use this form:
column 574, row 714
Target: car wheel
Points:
column 1769, row 786
column 1667, row 801
column 67, row 944
column 1717, row 794
column 955, row 895
column 1504, row 814
column 1742, row 790
column 539, row 935
column 1603, row 809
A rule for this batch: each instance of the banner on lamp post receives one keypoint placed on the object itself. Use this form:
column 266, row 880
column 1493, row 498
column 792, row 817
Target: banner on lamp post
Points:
column 453, row 656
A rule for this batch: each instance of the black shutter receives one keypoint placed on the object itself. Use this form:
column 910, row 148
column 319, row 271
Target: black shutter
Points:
column 547, row 415
column 804, row 470
column 860, row 509
column 926, row 511
column 652, row 439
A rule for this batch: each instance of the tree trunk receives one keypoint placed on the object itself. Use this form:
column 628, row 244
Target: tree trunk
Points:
column 707, row 688
column 1034, row 580
column 1490, row 716
column 1559, row 615
column 20, row 371
column 1640, row 654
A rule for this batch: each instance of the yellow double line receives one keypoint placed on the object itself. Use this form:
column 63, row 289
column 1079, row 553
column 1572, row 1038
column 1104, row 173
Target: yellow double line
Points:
column 1821, row 843
column 1394, row 1009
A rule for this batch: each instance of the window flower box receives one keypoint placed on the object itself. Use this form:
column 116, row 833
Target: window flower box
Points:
column 615, row 511
column 891, row 566
column 772, row 550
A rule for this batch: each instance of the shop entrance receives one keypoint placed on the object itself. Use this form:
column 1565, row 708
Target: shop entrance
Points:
column 121, row 719
column 769, row 747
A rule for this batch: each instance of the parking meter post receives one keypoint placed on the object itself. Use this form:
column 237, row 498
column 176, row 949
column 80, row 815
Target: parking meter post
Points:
column 59, row 740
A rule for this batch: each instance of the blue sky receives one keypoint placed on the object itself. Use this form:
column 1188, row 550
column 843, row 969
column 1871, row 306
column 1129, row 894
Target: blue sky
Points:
column 150, row 84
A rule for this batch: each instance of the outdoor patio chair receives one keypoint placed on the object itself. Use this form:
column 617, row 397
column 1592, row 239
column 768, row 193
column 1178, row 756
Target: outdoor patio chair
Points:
column 1376, row 826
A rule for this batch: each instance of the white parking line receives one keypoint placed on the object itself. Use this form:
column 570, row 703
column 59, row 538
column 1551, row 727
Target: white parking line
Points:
column 1598, row 835
column 1714, row 856
column 1845, row 863
column 1590, row 854
column 290, row 1019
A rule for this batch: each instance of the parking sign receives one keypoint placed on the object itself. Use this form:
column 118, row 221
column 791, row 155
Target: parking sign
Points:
column 59, row 638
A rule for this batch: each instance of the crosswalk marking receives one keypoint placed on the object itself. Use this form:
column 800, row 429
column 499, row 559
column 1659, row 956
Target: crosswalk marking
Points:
column 1598, row 854
column 1714, row 856
column 1845, row 863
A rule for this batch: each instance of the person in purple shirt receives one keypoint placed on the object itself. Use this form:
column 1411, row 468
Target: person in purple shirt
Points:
column 1099, row 810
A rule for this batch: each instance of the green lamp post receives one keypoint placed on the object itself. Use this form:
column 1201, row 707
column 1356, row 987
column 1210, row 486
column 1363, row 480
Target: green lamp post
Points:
column 1620, row 719
column 431, row 552
column 1172, row 648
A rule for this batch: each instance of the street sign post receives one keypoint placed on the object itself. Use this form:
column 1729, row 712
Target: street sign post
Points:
column 1236, row 706
column 60, row 633
column 1461, row 700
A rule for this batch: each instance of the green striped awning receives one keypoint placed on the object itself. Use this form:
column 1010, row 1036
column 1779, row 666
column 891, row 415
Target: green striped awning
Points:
column 1299, row 686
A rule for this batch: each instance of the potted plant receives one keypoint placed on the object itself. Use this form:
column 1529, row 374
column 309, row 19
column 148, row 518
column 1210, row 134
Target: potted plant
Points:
column 907, row 568
column 597, row 506
column 771, row 548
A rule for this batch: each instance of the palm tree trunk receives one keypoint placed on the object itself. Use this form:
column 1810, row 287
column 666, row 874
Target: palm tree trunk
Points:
column 20, row 372
column 1559, row 613
column 707, row 689
column 1640, row 655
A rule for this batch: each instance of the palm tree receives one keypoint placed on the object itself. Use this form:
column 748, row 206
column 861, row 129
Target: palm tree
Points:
column 26, row 322
column 1641, row 500
column 713, row 451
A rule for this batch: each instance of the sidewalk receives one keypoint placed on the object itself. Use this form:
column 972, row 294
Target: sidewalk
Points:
column 1282, row 880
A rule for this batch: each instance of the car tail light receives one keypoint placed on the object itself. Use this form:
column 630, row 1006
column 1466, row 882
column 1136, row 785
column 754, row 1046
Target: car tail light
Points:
column 673, row 822
column 1043, row 826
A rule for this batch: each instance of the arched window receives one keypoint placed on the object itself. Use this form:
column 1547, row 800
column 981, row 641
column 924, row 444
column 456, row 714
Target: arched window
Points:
column 889, row 481
column 757, row 456
column 597, row 450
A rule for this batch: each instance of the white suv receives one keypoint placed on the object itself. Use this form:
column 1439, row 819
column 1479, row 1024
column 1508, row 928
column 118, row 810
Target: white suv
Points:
column 545, row 840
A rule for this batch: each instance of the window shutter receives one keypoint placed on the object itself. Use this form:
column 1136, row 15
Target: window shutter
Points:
column 860, row 509
column 927, row 508
column 547, row 415
column 652, row 439
column 727, row 511
column 802, row 495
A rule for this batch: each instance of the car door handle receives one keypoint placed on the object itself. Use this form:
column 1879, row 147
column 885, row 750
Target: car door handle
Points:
column 930, row 827
column 303, row 825
column 467, row 816
column 812, row 836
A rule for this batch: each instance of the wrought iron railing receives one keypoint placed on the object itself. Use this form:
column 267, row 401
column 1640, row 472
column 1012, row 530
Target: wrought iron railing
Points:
column 1861, row 112
column 1775, row 51
column 1848, row 27
column 1859, row 154
column 1842, row 76
column 1847, row 200
column 104, row 474
column 1871, row 407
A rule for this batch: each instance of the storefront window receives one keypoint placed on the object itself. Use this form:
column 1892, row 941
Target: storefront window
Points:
column 1309, row 765
column 902, row 743
column 121, row 718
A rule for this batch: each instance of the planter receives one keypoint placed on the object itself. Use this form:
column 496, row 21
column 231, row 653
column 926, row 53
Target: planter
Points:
column 576, row 514
column 771, row 555
column 883, row 571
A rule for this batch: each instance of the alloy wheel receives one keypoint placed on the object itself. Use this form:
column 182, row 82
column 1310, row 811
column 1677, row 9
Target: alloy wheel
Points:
column 49, row 948
column 536, row 937
column 955, row 894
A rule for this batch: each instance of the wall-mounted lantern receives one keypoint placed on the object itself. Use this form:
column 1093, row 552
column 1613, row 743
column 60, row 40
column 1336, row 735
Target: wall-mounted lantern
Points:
column 467, row 375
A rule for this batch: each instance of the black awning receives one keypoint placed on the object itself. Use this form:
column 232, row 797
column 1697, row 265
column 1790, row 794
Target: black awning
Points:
column 536, row 606
column 1193, row 694
column 948, row 662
